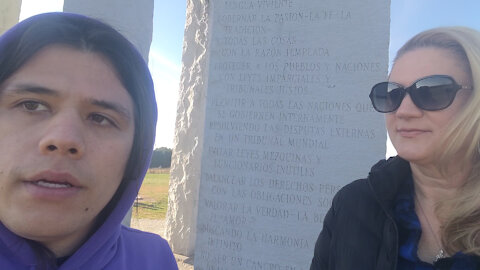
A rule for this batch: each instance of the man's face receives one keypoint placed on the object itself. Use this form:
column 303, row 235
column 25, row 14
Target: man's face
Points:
column 66, row 131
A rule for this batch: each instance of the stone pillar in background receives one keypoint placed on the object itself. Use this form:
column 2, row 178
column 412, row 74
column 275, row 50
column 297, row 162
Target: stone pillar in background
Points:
column 9, row 14
column 134, row 19
column 274, row 118
column 189, row 132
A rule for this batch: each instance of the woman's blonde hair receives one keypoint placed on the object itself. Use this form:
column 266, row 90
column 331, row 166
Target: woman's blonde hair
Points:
column 461, row 215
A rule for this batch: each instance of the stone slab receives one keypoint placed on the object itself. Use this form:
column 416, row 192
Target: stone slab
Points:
column 134, row 19
column 274, row 118
column 189, row 132
column 9, row 14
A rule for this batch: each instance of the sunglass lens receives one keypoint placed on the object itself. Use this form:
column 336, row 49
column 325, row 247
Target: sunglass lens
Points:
column 434, row 93
column 386, row 97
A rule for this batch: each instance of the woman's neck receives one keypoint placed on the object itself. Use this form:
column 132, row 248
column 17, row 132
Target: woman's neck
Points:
column 431, row 186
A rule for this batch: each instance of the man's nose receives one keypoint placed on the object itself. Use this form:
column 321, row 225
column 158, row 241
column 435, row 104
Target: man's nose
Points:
column 63, row 136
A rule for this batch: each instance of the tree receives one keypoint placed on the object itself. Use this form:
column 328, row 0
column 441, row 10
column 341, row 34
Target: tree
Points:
column 161, row 158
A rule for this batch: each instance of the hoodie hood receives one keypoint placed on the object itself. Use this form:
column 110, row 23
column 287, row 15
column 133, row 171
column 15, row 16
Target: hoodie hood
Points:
column 105, row 241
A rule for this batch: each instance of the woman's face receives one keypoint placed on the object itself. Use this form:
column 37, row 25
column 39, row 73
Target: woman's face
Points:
column 416, row 133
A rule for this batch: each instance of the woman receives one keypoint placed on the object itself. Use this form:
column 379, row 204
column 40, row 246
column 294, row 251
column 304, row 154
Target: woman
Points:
column 77, row 127
column 421, row 209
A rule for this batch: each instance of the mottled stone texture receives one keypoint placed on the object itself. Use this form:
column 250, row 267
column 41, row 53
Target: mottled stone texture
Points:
column 134, row 19
column 273, row 119
column 9, row 13
column 188, row 142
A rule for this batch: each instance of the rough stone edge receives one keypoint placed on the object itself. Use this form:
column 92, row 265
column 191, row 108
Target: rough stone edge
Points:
column 189, row 132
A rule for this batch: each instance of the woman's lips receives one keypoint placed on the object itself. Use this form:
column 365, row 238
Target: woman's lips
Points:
column 411, row 133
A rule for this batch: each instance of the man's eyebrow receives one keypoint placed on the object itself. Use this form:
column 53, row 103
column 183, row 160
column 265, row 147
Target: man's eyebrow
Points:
column 30, row 89
column 111, row 106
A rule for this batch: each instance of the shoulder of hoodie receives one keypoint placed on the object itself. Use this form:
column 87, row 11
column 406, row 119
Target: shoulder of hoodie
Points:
column 147, row 246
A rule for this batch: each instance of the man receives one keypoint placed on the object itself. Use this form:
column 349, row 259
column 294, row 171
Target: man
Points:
column 77, row 127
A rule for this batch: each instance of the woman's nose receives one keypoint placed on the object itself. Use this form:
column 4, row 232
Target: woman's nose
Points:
column 407, row 108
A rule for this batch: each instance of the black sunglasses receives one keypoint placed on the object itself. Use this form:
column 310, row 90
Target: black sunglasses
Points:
column 431, row 93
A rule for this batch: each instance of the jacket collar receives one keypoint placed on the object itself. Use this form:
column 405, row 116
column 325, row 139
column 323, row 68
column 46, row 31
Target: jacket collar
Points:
column 385, row 179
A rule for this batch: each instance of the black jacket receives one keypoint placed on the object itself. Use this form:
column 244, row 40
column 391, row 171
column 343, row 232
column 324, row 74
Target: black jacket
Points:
column 359, row 230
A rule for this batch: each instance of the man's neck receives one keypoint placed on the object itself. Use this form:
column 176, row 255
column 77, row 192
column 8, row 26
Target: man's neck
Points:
column 66, row 245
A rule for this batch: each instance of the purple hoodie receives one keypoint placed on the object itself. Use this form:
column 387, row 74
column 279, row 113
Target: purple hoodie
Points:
column 111, row 245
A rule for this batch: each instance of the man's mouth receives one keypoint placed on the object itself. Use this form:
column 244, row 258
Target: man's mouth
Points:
column 53, row 185
column 49, row 184
column 54, row 179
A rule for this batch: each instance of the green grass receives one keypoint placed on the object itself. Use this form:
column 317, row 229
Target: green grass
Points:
column 152, row 199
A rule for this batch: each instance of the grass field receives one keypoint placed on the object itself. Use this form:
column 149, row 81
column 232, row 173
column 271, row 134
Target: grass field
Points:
column 152, row 199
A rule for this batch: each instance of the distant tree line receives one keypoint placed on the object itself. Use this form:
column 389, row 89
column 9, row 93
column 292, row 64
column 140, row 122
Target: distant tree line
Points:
column 161, row 158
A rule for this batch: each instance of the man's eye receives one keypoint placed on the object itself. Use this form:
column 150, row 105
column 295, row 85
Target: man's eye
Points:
column 31, row 105
column 101, row 120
